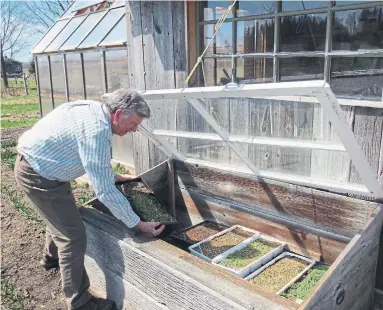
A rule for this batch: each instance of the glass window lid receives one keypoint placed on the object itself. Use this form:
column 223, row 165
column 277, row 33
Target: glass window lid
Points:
column 117, row 35
column 49, row 36
column 102, row 28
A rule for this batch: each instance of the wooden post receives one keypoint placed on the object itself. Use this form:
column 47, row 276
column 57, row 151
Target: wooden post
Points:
column 25, row 84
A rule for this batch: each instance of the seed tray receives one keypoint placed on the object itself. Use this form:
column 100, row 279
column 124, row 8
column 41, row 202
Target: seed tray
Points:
column 253, row 266
column 194, row 251
column 284, row 254
column 182, row 235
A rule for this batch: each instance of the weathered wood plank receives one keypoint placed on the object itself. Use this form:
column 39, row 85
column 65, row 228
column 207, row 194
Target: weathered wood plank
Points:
column 179, row 43
column 352, row 274
column 368, row 132
column 144, row 263
column 319, row 209
column 107, row 284
column 239, row 291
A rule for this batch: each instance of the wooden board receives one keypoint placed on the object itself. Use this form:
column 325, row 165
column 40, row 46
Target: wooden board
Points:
column 339, row 214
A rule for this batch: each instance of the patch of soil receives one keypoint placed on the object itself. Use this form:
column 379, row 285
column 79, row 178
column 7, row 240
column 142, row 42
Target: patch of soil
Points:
column 223, row 243
column 13, row 133
column 200, row 232
column 22, row 242
column 249, row 254
column 273, row 278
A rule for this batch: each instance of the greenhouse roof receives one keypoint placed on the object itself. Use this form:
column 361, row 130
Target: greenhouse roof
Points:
column 85, row 25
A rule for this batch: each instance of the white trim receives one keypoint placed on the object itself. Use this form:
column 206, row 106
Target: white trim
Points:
column 296, row 143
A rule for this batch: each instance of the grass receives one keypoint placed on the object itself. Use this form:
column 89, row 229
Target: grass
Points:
column 19, row 108
column 18, row 203
column 120, row 169
column 8, row 143
column 11, row 296
column 8, row 156
column 84, row 194
column 18, row 122
column 301, row 289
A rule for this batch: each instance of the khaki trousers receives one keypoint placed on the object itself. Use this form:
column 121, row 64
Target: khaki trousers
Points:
column 65, row 232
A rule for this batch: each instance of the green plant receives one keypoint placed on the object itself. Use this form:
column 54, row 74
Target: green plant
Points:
column 301, row 289
column 120, row 169
column 11, row 296
column 19, row 204
column 85, row 197
column 250, row 253
column 8, row 143
column 8, row 157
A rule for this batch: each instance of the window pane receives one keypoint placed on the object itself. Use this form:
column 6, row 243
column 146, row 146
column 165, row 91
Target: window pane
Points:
column 52, row 33
column 93, row 75
column 118, row 34
column 303, row 33
column 117, row 69
column 58, row 80
column 301, row 68
column 67, row 31
column 78, row 4
column 75, row 82
column 44, row 85
column 214, row 9
column 223, row 39
column 102, row 28
column 254, row 70
column 358, row 29
column 217, row 71
column 255, row 8
column 122, row 149
column 256, row 36
column 357, row 78
column 348, row 2
column 303, row 5
column 81, row 31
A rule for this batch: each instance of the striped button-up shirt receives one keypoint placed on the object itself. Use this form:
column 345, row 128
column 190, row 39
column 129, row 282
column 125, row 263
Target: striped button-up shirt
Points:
column 74, row 139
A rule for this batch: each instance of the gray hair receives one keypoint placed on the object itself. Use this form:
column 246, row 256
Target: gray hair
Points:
column 128, row 101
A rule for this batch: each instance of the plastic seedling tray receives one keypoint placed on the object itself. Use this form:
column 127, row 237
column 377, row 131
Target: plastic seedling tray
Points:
column 254, row 265
column 289, row 283
column 199, row 232
column 301, row 288
column 196, row 249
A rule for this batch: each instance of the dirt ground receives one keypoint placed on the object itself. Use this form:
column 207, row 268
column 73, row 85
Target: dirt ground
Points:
column 27, row 284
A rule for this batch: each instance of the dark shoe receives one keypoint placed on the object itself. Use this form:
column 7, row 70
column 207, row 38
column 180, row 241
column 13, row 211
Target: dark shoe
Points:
column 49, row 263
column 99, row 304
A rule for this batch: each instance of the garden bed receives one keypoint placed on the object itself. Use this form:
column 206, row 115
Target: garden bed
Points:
column 278, row 274
column 145, row 204
column 299, row 290
column 249, row 256
column 221, row 242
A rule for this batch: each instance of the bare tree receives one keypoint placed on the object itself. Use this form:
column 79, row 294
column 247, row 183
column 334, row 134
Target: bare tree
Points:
column 44, row 13
column 13, row 33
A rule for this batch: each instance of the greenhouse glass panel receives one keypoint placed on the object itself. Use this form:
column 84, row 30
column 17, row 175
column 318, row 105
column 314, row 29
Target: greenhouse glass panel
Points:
column 102, row 28
column 75, row 80
column 122, row 149
column 81, row 31
column 117, row 69
column 93, row 75
column 118, row 34
column 51, row 34
column 44, row 85
column 278, row 131
column 67, row 31
column 76, row 5
column 58, row 80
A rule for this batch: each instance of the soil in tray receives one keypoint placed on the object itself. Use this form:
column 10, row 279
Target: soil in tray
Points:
column 300, row 289
column 200, row 232
column 276, row 276
column 249, row 254
column 146, row 205
column 224, row 242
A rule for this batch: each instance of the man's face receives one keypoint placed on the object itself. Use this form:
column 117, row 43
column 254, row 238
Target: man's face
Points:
column 122, row 124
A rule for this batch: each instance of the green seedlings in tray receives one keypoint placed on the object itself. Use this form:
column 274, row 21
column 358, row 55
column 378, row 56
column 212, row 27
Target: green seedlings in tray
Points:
column 276, row 276
column 249, row 254
column 301, row 289
column 224, row 242
column 149, row 209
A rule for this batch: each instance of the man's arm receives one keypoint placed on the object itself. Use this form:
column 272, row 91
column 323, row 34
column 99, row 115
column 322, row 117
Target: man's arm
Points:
column 95, row 156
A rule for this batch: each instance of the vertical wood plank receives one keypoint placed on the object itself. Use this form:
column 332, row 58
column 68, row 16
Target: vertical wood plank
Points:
column 368, row 132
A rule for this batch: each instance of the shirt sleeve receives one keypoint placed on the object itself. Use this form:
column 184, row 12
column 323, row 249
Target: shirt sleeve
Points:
column 95, row 156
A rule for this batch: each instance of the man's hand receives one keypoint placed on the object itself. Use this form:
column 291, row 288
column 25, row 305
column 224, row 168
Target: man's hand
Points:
column 150, row 227
column 123, row 177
